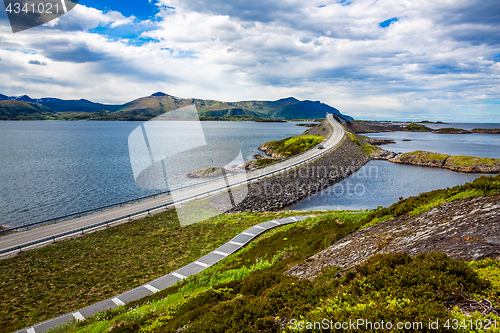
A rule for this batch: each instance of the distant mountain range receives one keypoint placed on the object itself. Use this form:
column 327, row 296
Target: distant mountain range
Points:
column 144, row 108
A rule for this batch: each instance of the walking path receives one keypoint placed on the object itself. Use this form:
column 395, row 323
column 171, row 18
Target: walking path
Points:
column 170, row 279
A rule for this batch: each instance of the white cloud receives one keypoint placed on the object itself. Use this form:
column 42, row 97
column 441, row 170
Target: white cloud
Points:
column 435, row 59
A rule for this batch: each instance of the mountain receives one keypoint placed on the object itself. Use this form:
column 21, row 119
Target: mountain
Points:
column 145, row 108
column 21, row 110
column 286, row 108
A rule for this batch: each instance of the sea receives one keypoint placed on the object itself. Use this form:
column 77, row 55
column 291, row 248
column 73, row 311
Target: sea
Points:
column 55, row 168
column 382, row 183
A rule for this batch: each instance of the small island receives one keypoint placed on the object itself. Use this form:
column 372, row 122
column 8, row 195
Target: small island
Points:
column 458, row 163
column 451, row 130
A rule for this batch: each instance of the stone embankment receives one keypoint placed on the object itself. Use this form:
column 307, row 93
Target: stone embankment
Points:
column 469, row 164
column 286, row 189
column 467, row 229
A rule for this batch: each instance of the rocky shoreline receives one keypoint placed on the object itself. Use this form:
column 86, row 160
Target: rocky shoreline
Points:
column 281, row 191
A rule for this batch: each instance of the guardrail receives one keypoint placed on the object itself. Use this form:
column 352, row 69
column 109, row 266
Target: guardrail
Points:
column 129, row 216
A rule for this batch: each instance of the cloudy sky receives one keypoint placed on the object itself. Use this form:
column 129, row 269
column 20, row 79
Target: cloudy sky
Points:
column 385, row 59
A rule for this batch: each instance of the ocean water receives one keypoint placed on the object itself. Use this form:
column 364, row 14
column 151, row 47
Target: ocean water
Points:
column 50, row 169
column 382, row 183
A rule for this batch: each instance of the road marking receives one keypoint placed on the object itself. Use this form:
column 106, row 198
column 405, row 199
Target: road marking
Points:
column 258, row 226
column 236, row 243
column 201, row 264
column 30, row 330
column 78, row 316
column 177, row 275
column 118, row 301
column 293, row 219
column 248, row 234
column 221, row 253
column 151, row 288
column 275, row 222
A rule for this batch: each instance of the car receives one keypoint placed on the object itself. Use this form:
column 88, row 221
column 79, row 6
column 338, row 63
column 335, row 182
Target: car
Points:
column 321, row 147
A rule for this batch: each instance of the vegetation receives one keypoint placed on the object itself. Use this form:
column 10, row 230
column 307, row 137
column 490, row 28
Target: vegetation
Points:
column 486, row 130
column 294, row 145
column 264, row 161
column 417, row 127
column 450, row 130
column 248, row 292
column 159, row 103
column 43, row 283
column 468, row 161
column 368, row 148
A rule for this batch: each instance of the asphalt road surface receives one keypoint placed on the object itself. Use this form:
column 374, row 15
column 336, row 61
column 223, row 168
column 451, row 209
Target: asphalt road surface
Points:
column 15, row 242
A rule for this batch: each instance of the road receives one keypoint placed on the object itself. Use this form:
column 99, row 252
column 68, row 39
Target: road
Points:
column 12, row 243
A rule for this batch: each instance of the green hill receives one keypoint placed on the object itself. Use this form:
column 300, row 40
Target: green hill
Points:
column 19, row 110
column 145, row 108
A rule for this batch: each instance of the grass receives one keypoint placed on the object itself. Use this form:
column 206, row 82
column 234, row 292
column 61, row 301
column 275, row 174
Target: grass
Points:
column 428, row 155
column 294, row 145
column 248, row 292
column 53, row 280
column 449, row 129
column 368, row 148
column 416, row 127
column 468, row 161
column 264, row 161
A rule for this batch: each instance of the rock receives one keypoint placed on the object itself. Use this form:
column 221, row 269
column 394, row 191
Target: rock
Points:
column 466, row 229
column 382, row 154
column 378, row 142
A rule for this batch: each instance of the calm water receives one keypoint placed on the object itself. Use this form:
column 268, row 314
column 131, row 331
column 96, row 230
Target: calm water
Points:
column 381, row 183
column 50, row 169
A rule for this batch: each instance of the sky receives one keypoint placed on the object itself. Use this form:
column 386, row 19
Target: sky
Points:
column 380, row 60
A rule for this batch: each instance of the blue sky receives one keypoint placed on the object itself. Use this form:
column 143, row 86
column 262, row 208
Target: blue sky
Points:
column 385, row 59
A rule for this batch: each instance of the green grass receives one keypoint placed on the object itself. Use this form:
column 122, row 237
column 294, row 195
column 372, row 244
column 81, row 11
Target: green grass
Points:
column 426, row 155
column 264, row 161
column 368, row 148
column 248, row 292
column 468, row 161
column 417, row 127
column 53, row 280
column 294, row 145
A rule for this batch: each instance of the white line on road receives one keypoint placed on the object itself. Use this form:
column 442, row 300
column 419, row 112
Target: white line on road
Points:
column 201, row 264
column 275, row 222
column 247, row 234
column 221, row 253
column 78, row 316
column 258, row 226
column 236, row 243
column 30, row 330
column 151, row 288
column 177, row 275
column 117, row 301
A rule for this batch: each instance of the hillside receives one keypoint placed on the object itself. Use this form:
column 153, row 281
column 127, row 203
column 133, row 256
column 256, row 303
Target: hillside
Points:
column 145, row 108
column 19, row 110
column 340, row 266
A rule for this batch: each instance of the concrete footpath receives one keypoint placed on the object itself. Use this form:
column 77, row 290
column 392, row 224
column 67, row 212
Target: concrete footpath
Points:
column 168, row 280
